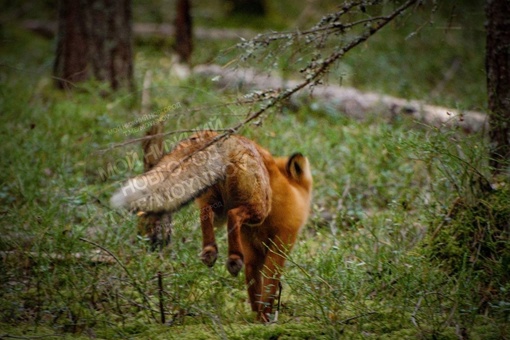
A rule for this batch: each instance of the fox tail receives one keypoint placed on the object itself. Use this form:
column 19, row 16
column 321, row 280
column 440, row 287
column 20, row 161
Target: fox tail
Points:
column 193, row 166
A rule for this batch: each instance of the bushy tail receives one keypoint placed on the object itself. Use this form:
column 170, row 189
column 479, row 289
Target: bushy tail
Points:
column 181, row 176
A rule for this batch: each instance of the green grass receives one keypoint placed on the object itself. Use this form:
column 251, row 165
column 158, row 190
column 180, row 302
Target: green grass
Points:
column 362, row 267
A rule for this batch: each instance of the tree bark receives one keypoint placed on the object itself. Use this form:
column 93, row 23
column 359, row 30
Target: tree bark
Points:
column 94, row 41
column 183, row 31
column 498, row 82
column 250, row 7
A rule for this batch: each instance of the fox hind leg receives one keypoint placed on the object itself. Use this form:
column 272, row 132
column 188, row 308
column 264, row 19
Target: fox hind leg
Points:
column 209, row 253
column 236, row 217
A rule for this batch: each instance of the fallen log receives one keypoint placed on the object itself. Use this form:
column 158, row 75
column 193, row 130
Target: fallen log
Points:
column 348, row 100
column 48, row 30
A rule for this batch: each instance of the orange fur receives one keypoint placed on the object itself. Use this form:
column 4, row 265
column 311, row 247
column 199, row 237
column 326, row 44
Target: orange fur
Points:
column 263, row 200
column 265, row 234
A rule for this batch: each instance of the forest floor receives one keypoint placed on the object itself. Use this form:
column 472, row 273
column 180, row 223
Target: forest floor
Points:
column 366, row 264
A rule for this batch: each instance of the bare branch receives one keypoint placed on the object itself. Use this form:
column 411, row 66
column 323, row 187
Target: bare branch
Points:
column 317, row 69
column 314, row 72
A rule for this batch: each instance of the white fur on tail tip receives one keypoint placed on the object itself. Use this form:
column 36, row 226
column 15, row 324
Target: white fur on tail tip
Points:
column 153, row 191
column 175, row 181
column 118, row 200
column 127, row 196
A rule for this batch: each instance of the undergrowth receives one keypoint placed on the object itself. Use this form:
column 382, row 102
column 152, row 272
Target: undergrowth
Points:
column 407, row 238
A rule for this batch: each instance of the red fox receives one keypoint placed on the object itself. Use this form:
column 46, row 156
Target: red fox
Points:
column 263, row 200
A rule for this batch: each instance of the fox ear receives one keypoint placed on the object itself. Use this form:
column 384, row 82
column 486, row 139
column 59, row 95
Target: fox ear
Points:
column 296, row 165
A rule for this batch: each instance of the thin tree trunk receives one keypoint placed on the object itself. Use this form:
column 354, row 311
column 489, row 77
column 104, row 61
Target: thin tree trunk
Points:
column 72, row 52
column 183, row 31
column 250, row 7
column 498, row 82
column 94, row 41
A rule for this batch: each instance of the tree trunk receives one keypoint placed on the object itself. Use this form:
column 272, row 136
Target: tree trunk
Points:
column 94, row 41
column 247, row 7
column 498, row 82
column 183, row 31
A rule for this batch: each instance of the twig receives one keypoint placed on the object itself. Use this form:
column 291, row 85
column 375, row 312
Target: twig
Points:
column 448, row 75
column 161, row 304
column 131, row 277
column 413, row 316
column 347, row 188
column 356, row 317
column 215, row 320
column 136, row 140
column 137, row 304
column 93, row 258
column 282, row 95
column 146, row 97
column 101, row 203
column 10, row 336
column 279, row 303
column 318, row 73
column 288, row 258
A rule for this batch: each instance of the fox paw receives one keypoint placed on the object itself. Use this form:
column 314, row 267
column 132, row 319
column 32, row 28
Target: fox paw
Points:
column 209, row 255
column 234, row 264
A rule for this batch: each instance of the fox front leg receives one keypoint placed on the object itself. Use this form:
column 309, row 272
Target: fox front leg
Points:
column 274, row 262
